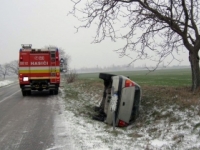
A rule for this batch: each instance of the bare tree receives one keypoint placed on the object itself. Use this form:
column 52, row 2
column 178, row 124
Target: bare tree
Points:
column 14, row 67
column 71, row 76
column 66, row 59
column 4, row 70
column 159, row 27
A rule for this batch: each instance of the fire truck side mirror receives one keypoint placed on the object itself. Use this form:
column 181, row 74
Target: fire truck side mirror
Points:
column 61, row 60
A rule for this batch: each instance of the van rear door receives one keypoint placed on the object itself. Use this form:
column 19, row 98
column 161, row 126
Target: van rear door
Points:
column 126, row 101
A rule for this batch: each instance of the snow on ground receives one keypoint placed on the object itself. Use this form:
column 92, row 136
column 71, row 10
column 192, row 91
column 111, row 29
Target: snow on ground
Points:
column 5, row 82
column 182, row 131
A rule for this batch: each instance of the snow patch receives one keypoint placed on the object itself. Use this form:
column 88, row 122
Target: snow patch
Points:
column 157, row 143
column 5, row 82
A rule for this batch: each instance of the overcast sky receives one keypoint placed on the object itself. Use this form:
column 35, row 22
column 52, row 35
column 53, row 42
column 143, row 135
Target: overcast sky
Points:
column 45, row 22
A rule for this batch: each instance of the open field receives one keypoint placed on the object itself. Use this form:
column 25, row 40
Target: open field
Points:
column 165, row 77
column 170, row 86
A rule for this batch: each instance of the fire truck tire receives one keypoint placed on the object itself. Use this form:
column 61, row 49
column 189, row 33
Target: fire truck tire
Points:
column 29, row 92
column 56, row 92
column 51, row 92
column 24, row 93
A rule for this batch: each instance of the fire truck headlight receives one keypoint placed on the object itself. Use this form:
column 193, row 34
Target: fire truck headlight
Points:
column 25, row 78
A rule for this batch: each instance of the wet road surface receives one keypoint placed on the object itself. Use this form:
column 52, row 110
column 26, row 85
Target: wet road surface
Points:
column 26, row 123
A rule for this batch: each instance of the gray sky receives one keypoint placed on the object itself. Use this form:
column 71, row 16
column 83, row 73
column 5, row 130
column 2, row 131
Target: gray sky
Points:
column 45, row 22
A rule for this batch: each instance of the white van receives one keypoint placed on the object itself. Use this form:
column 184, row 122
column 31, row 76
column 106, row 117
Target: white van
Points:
column 120, row 102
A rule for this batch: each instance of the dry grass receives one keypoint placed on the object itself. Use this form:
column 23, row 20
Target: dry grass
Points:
column 161, row 95
column 159, row 104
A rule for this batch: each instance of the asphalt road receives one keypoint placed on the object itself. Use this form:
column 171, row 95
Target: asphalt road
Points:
column 26, row 123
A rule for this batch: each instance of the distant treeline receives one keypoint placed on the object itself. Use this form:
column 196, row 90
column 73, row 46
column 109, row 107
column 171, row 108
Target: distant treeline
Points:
column 121, row 68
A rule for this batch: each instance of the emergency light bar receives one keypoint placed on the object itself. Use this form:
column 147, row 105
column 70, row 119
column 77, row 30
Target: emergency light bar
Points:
column 26, row 45
column 52, row 48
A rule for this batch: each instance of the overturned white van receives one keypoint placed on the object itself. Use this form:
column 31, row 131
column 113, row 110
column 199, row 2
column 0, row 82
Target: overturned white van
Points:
column 120, row 102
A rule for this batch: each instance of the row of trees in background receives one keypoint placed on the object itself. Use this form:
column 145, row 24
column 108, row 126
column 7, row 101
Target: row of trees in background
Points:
column 124, row 68
column 10, row 68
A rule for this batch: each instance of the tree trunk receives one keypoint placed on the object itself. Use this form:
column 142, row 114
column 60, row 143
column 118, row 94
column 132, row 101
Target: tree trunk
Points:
column 194, row 62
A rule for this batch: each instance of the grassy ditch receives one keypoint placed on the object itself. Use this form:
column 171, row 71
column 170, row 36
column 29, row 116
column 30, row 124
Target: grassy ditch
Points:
column 87, row 94
column 82, row 95
column 162, row 104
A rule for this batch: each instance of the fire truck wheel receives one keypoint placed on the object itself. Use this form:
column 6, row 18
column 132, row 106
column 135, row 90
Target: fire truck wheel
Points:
column 29, row 92
column 51, row 92
column 40, row 90
column 56, row 92
column 23, row 93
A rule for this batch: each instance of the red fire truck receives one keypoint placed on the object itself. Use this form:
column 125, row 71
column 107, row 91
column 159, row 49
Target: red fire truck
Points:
column 39, row 69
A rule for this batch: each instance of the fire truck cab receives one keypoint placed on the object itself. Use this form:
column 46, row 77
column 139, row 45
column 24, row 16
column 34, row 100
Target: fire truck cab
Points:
column 39, row 69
